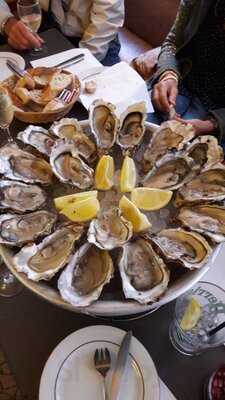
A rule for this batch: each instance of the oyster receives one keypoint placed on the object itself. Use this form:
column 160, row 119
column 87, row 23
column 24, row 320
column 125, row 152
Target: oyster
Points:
column 188, row 248
column 205, row 218
column 132, row 126
column 104, row 123
column 171, row 135
column 68, row 166
column 88, row 271
column 110, row 230
column 205, row 151
column 23, row 166
column 42, row 261
column 16, row 230
column 37, row 137
column 170, row 172
column 144, row 275
column 66, row 128
column 20, row 197
column 209, row 185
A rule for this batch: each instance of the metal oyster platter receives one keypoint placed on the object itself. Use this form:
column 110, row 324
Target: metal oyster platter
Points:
column 108, row 268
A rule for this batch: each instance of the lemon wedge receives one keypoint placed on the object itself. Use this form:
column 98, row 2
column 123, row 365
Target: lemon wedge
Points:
column 83, row 210
column 191, row 315
column 128, row 175
column 129, row 211
column 150, row 199
column 64, row 201
column 104, row 173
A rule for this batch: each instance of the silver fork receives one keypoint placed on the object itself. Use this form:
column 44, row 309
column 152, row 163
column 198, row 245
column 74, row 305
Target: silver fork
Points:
column 102, row 362
column 66, row 95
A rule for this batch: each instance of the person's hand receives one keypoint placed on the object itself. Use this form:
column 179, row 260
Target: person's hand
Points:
column 19, row 36
column 164, row 95
column 201, row 127
column 145, row 64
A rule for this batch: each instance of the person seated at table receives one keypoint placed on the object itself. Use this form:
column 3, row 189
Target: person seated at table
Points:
column 91, row 24
column 190, row 69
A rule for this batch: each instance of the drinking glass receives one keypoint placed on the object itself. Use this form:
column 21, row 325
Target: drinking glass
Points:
column 9, row 285
column 197, row 312
column 6, row 113
column 30, row 14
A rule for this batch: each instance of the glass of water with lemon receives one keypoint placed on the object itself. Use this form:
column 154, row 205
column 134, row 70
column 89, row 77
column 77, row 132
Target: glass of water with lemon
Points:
column 197, row 313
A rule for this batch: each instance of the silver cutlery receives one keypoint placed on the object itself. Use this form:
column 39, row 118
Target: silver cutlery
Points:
column 71, row 61
column 66, row 95
column 91, row 72
column 120, row 367
column 102, row 361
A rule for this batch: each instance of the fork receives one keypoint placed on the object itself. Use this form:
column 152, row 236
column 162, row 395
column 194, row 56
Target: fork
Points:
column 66, row 95
column 102, row 361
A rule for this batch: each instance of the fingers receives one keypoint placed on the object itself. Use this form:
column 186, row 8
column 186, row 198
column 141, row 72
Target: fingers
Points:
column 173, row 95
column 162, row 94
column 31, row 39
column 21, row 38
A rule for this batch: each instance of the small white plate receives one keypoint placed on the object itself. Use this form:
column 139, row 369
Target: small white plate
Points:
column 70, row 373
column 5, row 72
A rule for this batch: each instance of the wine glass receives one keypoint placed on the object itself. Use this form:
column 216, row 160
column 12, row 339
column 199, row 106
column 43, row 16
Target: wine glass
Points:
column 29, row 12
column 9, row 285
column 6, row 112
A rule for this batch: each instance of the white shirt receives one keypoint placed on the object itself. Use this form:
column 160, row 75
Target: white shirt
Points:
column 95, row 21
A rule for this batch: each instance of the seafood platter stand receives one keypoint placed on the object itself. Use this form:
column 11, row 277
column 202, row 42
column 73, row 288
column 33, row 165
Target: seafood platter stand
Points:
column 31, row 327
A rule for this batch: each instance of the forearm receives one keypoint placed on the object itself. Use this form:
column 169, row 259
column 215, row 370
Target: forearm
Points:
column 5, row 13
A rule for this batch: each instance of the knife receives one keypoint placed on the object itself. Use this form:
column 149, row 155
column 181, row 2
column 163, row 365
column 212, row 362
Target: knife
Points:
column 120, row 366
column 70, row 61
column 21, row 73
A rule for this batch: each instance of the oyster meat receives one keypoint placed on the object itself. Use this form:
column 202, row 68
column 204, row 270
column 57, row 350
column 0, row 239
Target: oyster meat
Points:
column 110, row 230
column 144, row 275
column 171, row 135
column 23, row 166
column 132, row 126
column 205, row 218
column 88, row 271
column 37, row 137
column 21, row 197
column 42, row 261
column 209, row 186
column 170, row 172
column 16, row 230
column 66, row 128
column 205, row 151
column 68, row 166
column 187, row 248
column 104, row 123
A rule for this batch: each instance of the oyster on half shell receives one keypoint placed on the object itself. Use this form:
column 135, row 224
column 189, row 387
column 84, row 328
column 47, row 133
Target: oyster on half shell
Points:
column 206, row 219
column 205, row 151
column 16, row 230
column 170, row 172
column 110, row 230
column 171, row 135
column 104, row 123
column 37, row 137
column 20, row 197
column 66, row 128
column 88, row 271
column 42, row 261
column 68, row 166
column 187, row 248
column 23, row 166
column 144, row 275
column 132, row 126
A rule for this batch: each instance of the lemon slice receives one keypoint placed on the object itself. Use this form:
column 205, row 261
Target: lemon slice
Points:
column 150, row 199
column 191, row 315
column 64, row 201
column 128, row 175
column 82, row 211
column 104, row 173
column 129, row 211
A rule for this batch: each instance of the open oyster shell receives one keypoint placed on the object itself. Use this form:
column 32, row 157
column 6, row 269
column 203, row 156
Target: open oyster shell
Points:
column 187, row 248
column 20, row 197
column 42, row 261
column 170, row 172
column 110, row 230
column 23, row 166
column 171, row 135
column 205, row 151
column 144, row 275
column 88, row 271
column 16, row 230
column 104, row 123
column 66, row 128
column 37, row 137
column 205, row 218
column 68, row 166
column 132, row 126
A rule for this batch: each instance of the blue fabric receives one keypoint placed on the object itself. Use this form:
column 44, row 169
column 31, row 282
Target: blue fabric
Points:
column 112, row 56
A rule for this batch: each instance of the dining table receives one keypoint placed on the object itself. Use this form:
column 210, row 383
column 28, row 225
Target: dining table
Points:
column 30, row 327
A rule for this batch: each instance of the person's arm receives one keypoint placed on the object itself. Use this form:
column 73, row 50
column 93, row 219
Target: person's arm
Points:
column 105, row 19
column 5, row 14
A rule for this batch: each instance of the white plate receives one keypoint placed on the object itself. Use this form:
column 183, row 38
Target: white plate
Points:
column 5, row 72
column 69, row 373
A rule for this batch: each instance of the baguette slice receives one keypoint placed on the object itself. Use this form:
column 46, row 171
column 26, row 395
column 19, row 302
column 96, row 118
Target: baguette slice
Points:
column 53, row 105
column 60, row 81
column 23, row 94
column 36, row 96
